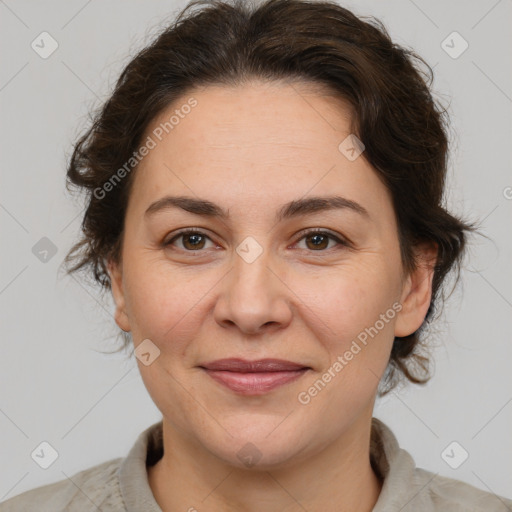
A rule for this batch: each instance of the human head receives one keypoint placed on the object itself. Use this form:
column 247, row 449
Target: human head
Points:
column 402, row 127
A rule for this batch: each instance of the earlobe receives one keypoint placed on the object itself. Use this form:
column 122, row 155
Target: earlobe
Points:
column 417, row 292
column 116, row 281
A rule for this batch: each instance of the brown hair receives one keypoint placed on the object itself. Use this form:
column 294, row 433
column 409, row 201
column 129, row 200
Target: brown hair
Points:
column 403, row 128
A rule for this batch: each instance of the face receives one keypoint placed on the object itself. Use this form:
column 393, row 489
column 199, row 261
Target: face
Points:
column 265, row 272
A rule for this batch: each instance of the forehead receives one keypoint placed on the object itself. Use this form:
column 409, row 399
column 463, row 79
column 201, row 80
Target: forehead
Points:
column 268, row 139
column 256, row 113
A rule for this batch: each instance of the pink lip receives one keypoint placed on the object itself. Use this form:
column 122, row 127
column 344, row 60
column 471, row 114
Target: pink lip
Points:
column 254, row 377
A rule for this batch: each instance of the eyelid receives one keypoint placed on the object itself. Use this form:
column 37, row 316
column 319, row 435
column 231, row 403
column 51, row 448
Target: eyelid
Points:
column 186, row 231
column 341, row 240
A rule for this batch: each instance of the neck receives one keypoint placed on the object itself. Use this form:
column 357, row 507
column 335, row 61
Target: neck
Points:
column 339, row 478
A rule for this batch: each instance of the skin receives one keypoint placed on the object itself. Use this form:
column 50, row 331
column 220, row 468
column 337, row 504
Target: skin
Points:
column 250, row 149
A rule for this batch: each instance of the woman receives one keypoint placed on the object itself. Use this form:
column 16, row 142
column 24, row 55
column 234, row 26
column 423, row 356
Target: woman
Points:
column 265, row 202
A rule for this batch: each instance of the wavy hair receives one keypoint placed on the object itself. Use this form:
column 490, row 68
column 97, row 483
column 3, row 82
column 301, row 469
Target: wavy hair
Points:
column 404, row 129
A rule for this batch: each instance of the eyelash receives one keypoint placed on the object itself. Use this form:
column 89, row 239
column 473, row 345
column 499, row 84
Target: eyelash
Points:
column 304, row 234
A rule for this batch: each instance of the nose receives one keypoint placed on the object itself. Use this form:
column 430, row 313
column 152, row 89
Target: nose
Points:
column 254, row 298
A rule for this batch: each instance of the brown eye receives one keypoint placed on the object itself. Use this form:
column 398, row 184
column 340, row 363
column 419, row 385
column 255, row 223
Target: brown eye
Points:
column 318, row 241
column 191, row 240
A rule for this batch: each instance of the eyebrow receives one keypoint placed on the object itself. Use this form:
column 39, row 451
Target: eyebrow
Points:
column 296, row 208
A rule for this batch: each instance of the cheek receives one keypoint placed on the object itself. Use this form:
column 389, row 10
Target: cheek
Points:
column 360, row 317
column 163, row 303
column 349, row 300
column 359, row 308
column 337, row 305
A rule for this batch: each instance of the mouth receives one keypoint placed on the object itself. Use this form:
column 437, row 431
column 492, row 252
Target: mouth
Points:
column 254, row 377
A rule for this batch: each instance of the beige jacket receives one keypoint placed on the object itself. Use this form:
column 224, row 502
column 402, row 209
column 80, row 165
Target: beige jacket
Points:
column 122, row 485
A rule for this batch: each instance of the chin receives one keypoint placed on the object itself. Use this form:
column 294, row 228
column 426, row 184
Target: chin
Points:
column 259, row 447
column 261, row 457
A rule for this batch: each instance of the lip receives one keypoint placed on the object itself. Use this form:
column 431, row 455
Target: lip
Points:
column 254, row 377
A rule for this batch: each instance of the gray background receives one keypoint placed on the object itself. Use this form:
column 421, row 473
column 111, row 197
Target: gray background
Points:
column 54, row 384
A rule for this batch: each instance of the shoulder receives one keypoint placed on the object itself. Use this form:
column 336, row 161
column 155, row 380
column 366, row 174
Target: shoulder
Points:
column 443, row 493
column 408, row 488
column 92, row 489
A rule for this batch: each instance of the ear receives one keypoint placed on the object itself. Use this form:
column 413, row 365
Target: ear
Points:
column 417, row 291
column 116, row 279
